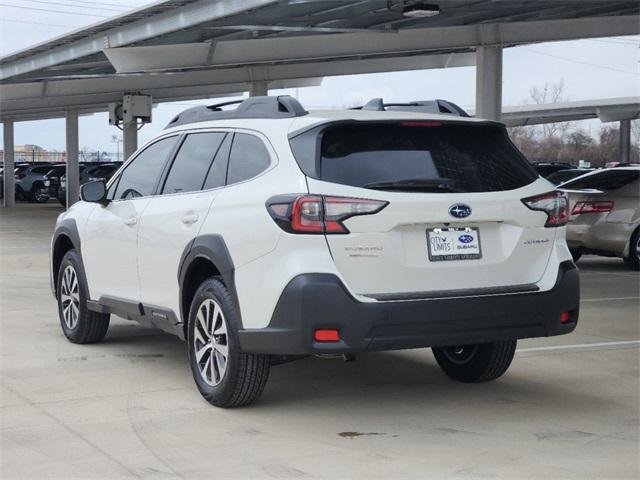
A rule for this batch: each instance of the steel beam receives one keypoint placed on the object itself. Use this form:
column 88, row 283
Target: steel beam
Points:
column 489, row 83
column 73, row 169
column 38, row 100
column 625, row 141
column 330, row 46
column 9, row 180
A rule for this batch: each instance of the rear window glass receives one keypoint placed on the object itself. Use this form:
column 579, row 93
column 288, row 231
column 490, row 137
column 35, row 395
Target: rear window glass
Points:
column 419, row 156
column 604, row 180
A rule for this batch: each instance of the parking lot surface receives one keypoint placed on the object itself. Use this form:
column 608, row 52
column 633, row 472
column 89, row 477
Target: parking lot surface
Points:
column 128, row 408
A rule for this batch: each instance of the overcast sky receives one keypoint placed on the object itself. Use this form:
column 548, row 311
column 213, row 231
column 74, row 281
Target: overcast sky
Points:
column 590, row 69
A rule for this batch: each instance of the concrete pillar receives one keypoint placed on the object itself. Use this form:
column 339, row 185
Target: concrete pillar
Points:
column 258, row 89
column 129, row 138
column 9, row 180
column 73, row 170
column 625, row 141
column 489, row 83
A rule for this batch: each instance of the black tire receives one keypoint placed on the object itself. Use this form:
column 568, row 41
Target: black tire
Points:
column 36, row 196
column 245, row 375
column 575, row 254
column 86, row 326
column 633, row 259
column 20, row 194
column 481, row 362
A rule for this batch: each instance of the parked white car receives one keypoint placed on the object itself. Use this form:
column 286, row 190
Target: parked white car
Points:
column 266, row 232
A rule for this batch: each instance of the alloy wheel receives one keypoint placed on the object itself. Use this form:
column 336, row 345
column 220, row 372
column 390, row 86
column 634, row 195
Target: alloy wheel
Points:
column 70, row 297
column 210, row 342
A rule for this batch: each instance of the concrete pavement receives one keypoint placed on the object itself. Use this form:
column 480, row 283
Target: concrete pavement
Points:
column 128, row 408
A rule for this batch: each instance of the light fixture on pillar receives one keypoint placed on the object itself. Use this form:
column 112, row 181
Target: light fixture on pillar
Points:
column 134, row 107
column 420, row 10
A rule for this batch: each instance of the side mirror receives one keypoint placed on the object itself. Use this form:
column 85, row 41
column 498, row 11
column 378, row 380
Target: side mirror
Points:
column 95, row 192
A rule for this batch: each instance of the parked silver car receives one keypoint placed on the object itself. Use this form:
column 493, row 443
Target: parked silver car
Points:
column 605, row 214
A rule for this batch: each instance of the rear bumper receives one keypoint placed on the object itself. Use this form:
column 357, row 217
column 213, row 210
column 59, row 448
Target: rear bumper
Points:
column 320, row 301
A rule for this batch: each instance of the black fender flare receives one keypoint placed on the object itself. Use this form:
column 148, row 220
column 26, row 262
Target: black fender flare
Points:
column 213, row 248
column 67, row 228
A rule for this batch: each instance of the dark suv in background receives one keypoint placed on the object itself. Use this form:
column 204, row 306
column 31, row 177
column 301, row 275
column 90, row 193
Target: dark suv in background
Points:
column 88, row 173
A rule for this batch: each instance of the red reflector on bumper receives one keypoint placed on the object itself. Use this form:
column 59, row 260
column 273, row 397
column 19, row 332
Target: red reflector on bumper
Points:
column 565, row 317
column 326, row 336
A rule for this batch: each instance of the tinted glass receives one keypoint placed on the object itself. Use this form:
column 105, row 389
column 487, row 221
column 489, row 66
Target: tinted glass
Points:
column 604, row 180
column 192, row 162
column 41, row 169
column 564, row 175
column 102, row 171
column 218, row 172
column 141, row 175
column 248, row 158
column 416, row 156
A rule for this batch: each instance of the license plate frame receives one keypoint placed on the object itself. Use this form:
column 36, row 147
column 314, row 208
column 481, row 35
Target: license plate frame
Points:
column 473, row 231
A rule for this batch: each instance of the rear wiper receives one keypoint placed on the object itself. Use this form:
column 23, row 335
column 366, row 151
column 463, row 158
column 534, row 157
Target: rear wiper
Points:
column 421, row 184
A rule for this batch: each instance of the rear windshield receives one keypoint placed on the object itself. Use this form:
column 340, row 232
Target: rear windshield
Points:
column 415, row 156
column 604, row 180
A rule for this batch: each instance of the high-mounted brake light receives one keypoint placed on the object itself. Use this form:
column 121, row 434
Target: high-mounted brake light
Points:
column 421, row 124
column 554, row 204
column 319, row 214
column 591, row 207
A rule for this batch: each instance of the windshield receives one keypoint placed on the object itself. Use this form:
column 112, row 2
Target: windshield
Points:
column 418, row 156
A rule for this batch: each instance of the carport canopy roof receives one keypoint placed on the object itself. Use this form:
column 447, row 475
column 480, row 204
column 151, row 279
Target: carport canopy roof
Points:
column 179, row 49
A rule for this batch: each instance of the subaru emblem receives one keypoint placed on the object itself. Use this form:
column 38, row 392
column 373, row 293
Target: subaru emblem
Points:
column 460, row 210
column 465, row 238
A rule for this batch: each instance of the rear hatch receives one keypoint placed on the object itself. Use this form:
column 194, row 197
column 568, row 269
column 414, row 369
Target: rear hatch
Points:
column 454, row 218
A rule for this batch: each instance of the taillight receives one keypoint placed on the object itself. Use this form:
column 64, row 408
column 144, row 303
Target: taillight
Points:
column 554, row 204
column 591, row 207
column 318, row 214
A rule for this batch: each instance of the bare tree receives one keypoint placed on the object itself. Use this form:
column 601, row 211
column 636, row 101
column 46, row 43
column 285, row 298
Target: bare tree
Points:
column 551, row 93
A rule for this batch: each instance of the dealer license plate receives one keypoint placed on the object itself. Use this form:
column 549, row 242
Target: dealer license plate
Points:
column 453, row 244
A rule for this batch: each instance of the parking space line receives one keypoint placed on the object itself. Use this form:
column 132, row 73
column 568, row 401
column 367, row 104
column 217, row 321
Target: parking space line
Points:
column 608, row 299
column 617, row 274
column 579, row 346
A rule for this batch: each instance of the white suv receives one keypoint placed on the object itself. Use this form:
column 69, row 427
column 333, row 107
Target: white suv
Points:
column 266, row 233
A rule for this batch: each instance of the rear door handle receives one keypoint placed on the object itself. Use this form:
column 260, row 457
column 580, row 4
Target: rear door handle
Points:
column 190, row 218
column 131, row 221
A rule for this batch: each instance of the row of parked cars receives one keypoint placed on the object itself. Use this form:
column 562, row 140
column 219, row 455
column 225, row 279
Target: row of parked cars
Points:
column 604, row 209
column 38, row 182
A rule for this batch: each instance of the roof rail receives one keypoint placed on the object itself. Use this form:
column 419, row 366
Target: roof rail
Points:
column 283, row 106
column 418, row 106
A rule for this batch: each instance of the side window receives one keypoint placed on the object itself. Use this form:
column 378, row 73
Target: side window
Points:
column 248, row 158
column 217, row 175
column 192, row 162
column 41, row 169
column 141, row 175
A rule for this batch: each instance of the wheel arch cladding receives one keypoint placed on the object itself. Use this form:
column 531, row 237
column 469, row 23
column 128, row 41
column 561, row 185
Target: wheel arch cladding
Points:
column 206, row 256
column 65, row 238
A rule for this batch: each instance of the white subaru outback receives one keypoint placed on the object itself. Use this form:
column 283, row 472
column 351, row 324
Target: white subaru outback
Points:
column 264, row 233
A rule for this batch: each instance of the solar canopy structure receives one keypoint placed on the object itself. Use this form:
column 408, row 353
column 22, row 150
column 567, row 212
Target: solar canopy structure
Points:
column 186, row 49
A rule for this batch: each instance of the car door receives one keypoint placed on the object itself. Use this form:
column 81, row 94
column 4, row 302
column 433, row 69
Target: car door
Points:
column 109, row 246
column 174, row 218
